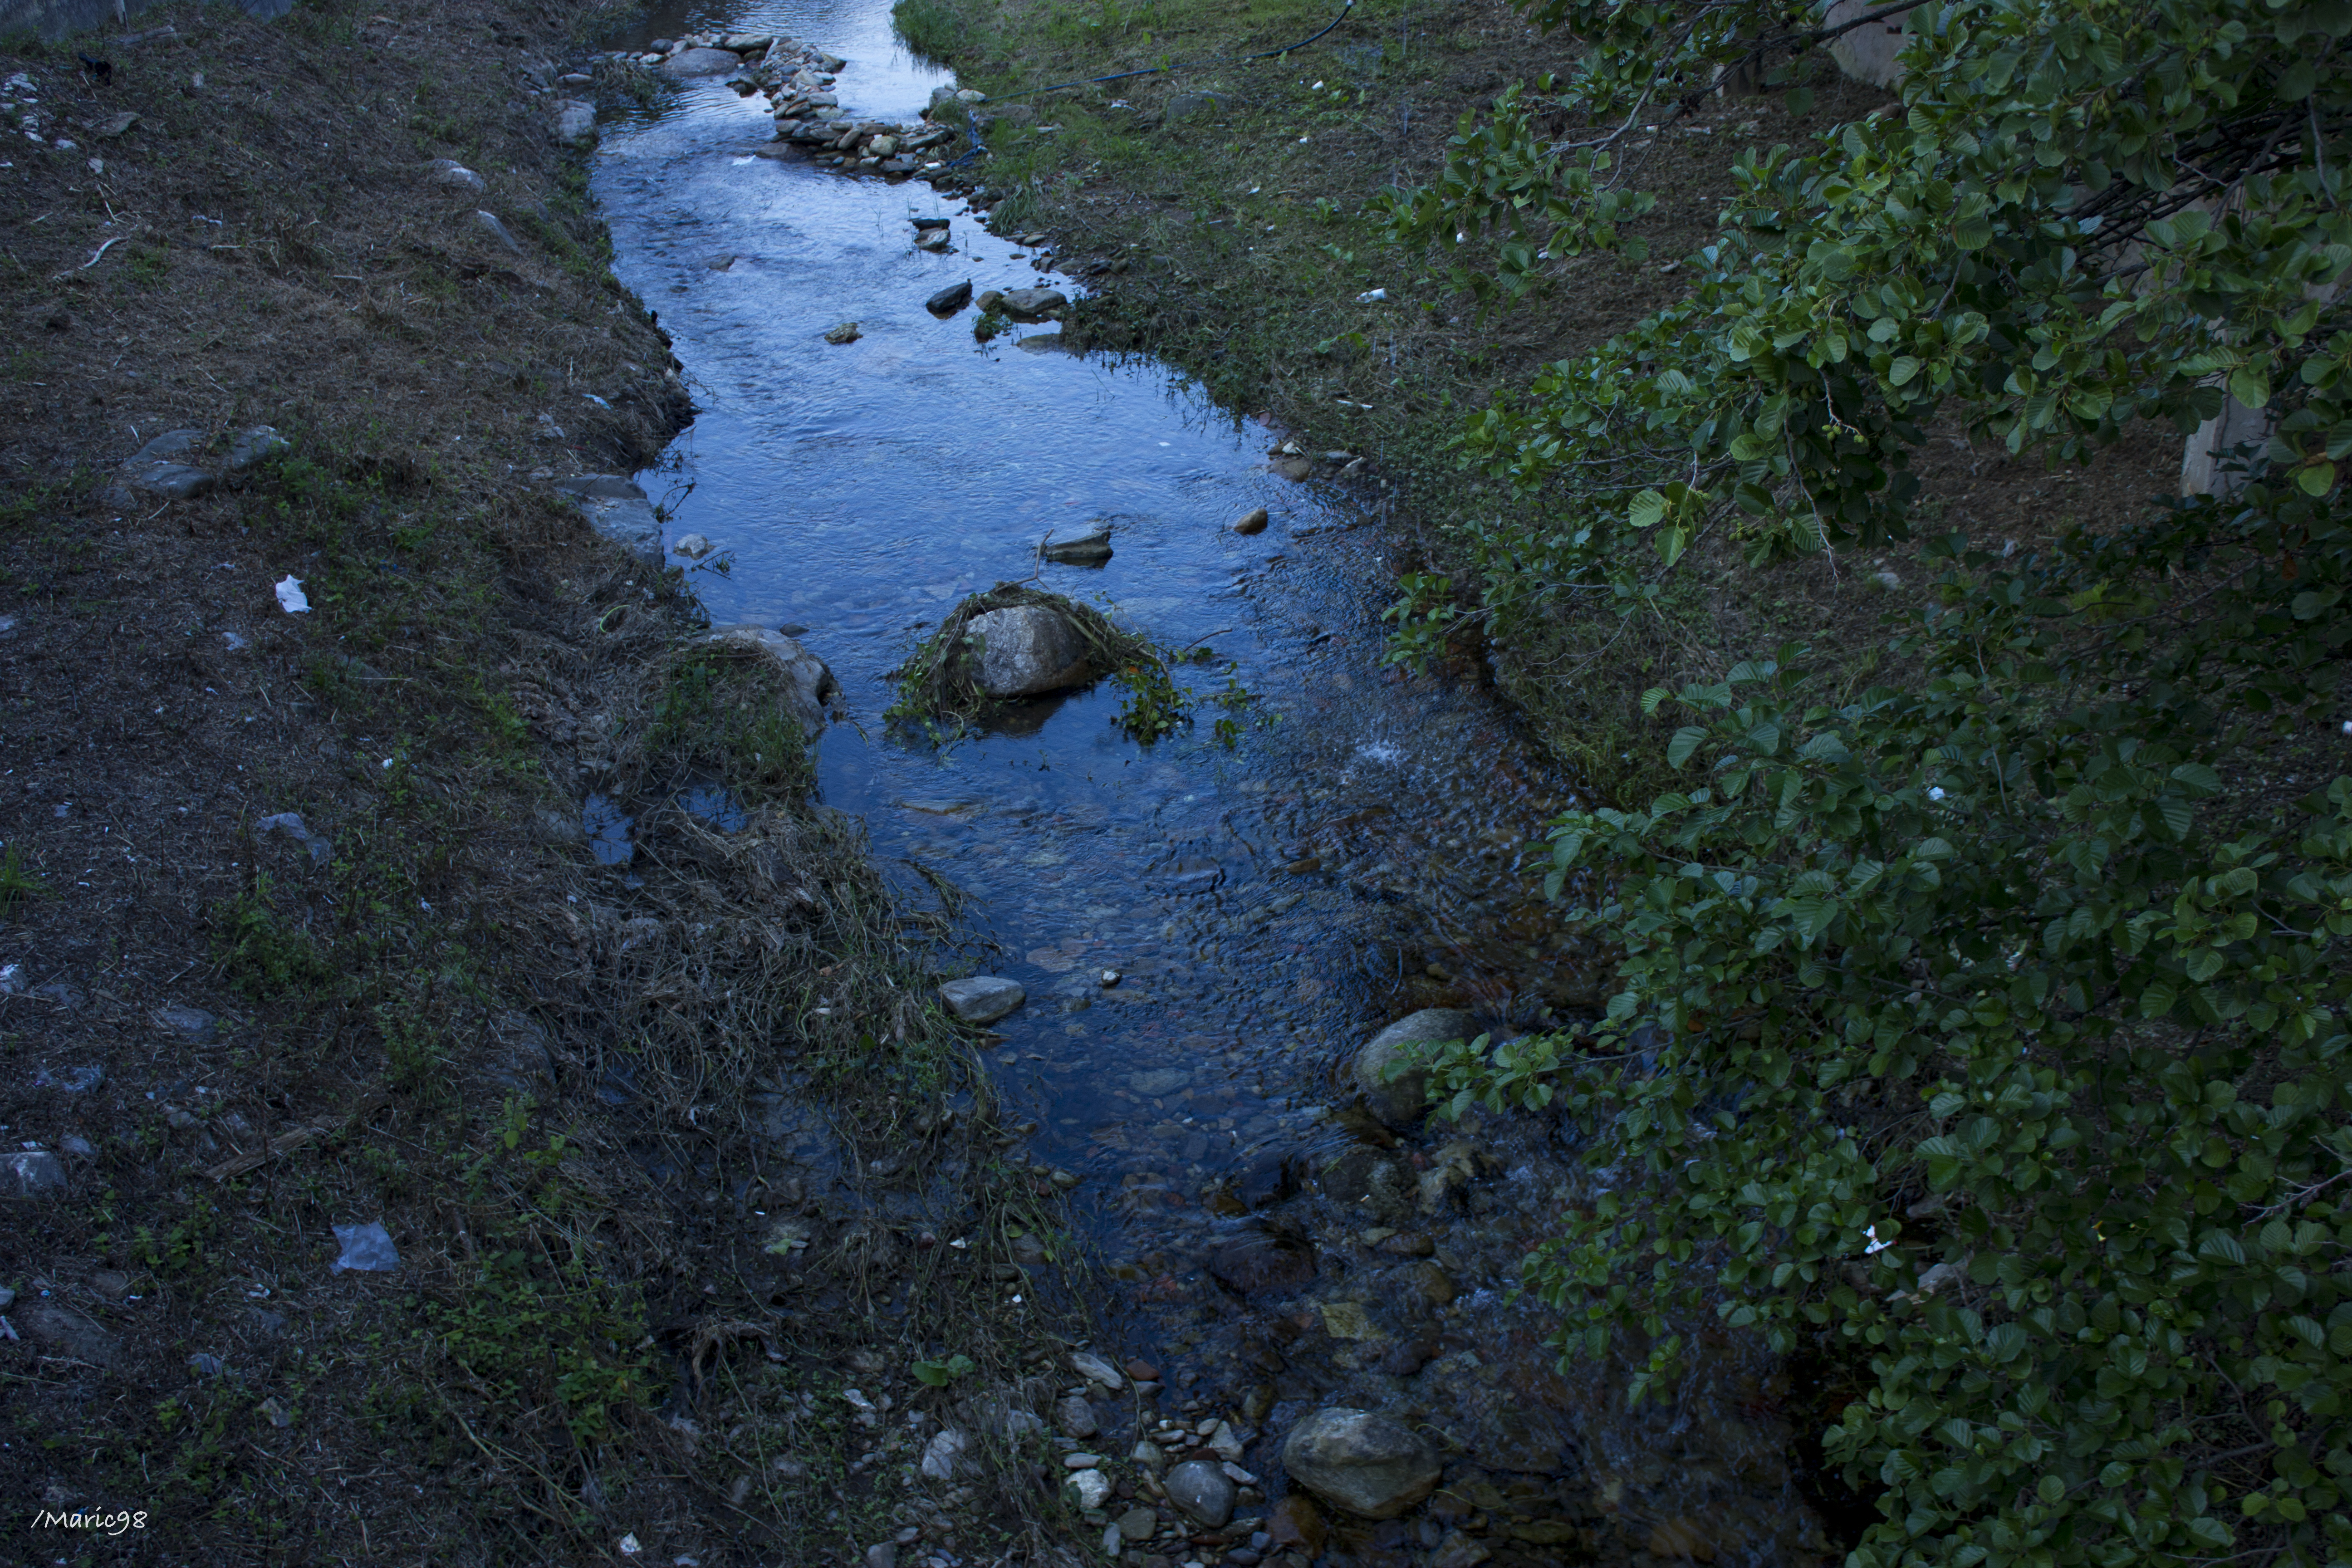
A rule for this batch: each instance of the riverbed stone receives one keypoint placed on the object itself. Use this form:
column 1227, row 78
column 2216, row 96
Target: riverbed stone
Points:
column 809, row 685
column 1360, row 1461
column 1263, row 1263
column 934, row 240
column 1297, row 1525
column 1202, row 1490
column 1033, row 304
column 1089, row 546
column 618, row 510
column 951, row 299
column 255, row 445
column 1097, row 1369
column 982, row 998
column 1400, row 1103
column 1076, row 1417
column 687, row 63
column 1253, row 521
column 1087, row 1488
column 1027, row 650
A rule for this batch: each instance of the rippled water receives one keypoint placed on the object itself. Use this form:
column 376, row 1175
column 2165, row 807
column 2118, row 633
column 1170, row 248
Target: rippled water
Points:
column 1268, row 905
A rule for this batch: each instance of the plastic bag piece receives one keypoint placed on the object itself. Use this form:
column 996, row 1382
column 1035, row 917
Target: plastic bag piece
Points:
column 291, row 597
column 367, row 1247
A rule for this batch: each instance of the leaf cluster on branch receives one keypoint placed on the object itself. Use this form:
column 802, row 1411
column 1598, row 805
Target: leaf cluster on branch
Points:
column 1992, row 1024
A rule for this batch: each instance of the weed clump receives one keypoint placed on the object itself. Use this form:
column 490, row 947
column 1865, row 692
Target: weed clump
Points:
column 941, row 678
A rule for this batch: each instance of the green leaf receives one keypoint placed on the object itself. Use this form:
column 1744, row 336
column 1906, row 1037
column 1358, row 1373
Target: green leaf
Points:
column 1685, row 741
column 2251, row 384
column 1646, row 509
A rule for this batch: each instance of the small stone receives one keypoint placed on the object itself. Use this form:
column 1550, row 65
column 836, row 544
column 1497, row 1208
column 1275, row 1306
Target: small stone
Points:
column 694, row 547
column 1082, row 1460
column 1252, row 522
column 1095, row 1369
column 450, row 174
column 846, row 332
column 1886, row 580
column 936, row 240
column 1433, row 1284
column 941, row 1455
column 1076, row 1417
column 488, row 223
column 984, row 999
column 1399, row 1103
column 574, row 121
column 275, row 1410
column 1110, row 977
column 72, row 1081
column 255, row 447
column 203, row 1363
column 191, row 1023
column 1261, row 1262
column 1147, row 1456
column 882, row 1554
column 1138, row 1524
column 1141, row 1370
column 1087, row 1488
column 950, row 300
column 36, row 1173
column 1202, row 1490
column 1026, row 650
column 1225, row 1443
column 7, row 1297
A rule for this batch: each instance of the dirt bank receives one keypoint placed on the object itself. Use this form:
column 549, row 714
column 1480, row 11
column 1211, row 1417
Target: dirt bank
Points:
column 300, row 932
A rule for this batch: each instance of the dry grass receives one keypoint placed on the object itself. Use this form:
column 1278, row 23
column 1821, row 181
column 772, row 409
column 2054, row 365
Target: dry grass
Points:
column 594, row 1106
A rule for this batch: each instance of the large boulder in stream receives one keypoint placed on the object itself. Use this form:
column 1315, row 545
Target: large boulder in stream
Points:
column 1026, row 650
column 1363, row 1462
column 688, row 63
column 1399, row 1104
column 810, row 688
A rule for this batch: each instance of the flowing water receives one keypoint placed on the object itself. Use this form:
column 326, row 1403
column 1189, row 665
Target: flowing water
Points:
column 1368, row 845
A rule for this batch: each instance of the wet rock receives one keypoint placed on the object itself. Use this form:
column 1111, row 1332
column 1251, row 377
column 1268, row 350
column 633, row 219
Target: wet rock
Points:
column 1076, row 1417
column 1141, row 1370
column 984, row 999
column 1095, row 1369
column 1433, row 1284
column 1138, row 1523
column 1297, row 1525
column 1146, row 1455
column 1259, row 1262
column 1400, row 1103
column 1681, row 1538
column 950, row 300
column 191, row 1023
column 1033, row 304
column 1202, row 1490
column 810, row 687
column 689, row 63
column 1252, row 521
column 1271, row 1177
column 935, row 240
column 1460, row 1551
column 1349, row 1321
column 158, row 469
column 35, row 1173
column 1026, row 650
column 846, row 332
column 1087, row 1488
column 694, row 546
column 1364, row 1463
column 1090, row 546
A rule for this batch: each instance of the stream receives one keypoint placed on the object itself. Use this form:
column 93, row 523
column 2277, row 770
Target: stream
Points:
column 1369, row 844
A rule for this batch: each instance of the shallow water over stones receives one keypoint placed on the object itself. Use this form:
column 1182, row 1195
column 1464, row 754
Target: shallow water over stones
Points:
column 1370, row 844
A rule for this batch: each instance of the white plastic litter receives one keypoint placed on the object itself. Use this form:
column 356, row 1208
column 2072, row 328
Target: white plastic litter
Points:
column 367, row 1247
column 1372, row 296
column 291, row 597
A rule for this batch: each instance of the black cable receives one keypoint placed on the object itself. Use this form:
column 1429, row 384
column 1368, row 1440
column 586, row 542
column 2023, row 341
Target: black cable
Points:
column 972, row 118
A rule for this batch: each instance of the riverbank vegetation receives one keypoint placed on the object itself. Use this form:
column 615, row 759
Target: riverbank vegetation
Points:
column 1981, row 1020
column 640, row 1160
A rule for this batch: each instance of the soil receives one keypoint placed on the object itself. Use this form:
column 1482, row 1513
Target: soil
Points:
column 670, row 1152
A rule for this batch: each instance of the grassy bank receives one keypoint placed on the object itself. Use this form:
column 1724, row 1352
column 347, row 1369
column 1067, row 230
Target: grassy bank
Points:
column 670, row 1152
column 1221, row 214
